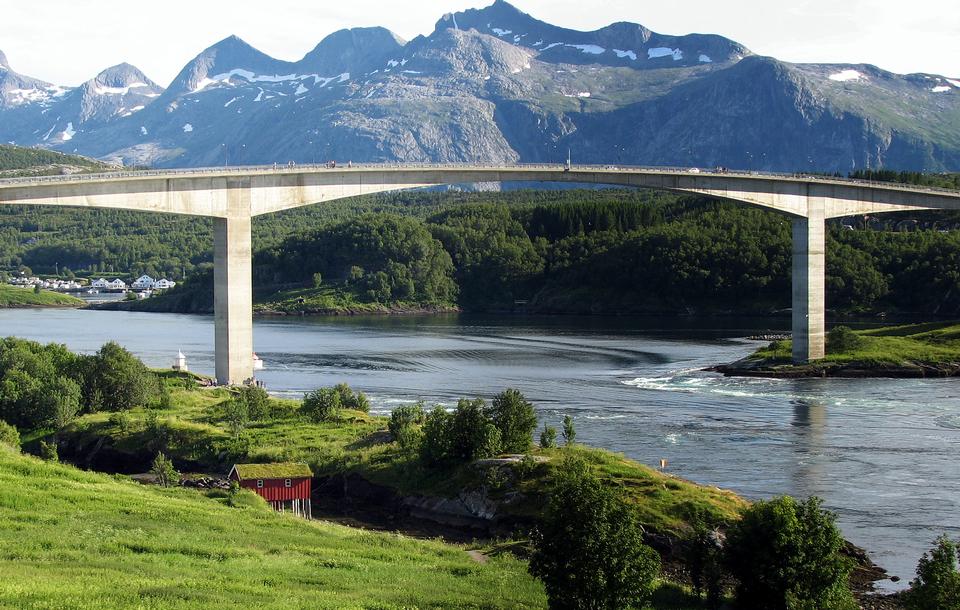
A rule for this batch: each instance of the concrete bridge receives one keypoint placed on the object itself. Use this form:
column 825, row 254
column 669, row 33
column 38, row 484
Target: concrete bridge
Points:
column 232, row 196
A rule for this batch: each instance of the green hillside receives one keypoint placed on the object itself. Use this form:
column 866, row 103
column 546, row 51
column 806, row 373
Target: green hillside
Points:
column 19, row 161
column 73, row 539
column 14, row 296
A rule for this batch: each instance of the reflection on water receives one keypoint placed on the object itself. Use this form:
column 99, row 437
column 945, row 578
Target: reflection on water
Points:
column 880, row 452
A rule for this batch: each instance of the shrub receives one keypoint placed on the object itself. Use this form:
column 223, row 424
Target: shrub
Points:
column 516, row 420
column 9, row 436
column 842, row 339
column 588, row 547
column 548, row 438
column 257, row 401
column 704, row 560
column 236, row 413
column 403, row 425
column 525, row 467
column 786, row 555
column 120, row 420
column 937, row 584
column 569, row 432
column 349, row 400
column 405, row 416
column 163, row 469
column 322, row 405
column 48, row 451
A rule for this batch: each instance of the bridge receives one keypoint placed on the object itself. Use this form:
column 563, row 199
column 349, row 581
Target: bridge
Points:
column 233, row 196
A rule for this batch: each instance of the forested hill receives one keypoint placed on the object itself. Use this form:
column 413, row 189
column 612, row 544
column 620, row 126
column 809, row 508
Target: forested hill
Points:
column 19, row 161
column 593, row 252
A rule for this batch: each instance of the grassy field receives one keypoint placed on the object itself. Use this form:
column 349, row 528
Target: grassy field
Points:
column 15, row 296
column 194, row 430
column 927, row 344
column 73, row 539
column 328, row 299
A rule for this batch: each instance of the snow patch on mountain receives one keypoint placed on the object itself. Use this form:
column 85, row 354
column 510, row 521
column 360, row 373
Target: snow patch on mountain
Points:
column 705, row 59
column 658, row 52
column 845, row 76
column 590, row 49
column 622, row 54
column 187, row 128
column 955, row 83
column 68, row 133
column 252, row 77
column 99, row 90
column 501, row 32
column 941, row 89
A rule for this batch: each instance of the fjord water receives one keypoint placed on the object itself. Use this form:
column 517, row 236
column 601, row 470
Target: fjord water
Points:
column 881, row 452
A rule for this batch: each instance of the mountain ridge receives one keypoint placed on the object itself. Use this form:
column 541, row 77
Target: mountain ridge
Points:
column 495, row 84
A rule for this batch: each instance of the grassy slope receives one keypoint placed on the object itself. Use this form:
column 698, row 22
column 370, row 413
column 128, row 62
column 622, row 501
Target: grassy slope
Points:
column 359, row 443
column 333, row 298
column 72, row 539
column 14, row 296
column 933, row 343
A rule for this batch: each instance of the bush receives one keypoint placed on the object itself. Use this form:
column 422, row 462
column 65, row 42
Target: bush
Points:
column 548, row 438
column 569, row 432
column 48, row 451
column 167, row 475
column 842, row 339
column 322, row 405
column 257, row 401
column 516, row 420
column 704, row 560
column 236, row 413
column 786, row 555
column 120, row 420
column 9, row 436
column 937, row 584
column 588, row 547
column 349, row 400
column 403, row 425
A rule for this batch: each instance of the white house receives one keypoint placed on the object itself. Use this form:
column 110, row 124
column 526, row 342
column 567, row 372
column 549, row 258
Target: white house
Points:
column 144, row 282
column 101, row 283
column 163, row 284
column 117, row 284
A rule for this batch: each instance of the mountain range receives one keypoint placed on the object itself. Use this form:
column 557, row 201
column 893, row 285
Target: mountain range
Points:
column 495, row 85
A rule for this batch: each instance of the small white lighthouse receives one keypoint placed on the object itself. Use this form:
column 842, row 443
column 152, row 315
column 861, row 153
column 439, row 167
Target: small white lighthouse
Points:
column 180, row 364
column 257, row 363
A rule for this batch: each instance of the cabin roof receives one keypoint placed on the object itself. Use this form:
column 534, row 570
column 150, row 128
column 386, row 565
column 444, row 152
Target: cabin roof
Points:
column 283, row 470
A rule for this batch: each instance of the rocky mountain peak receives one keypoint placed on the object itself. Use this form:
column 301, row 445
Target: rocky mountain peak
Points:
column 222, row 61
column 122, row 75
column 3, row 62
column 353, row 50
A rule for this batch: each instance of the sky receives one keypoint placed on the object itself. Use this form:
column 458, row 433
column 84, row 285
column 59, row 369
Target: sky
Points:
column 67, row 42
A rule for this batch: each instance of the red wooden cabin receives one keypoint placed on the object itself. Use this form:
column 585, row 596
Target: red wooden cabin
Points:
column 284, row 485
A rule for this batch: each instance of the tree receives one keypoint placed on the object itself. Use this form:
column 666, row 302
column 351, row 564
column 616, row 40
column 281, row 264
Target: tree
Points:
column 236, row 412
column 116, row 380
column 322, row 405
column 403, row 425
column 163, row 470
column 548, row 438
column 9, row 436
column 437, row 436
column 842, row 339
column 787, row 555
column 473, row 435
column 349, row 399
column 569, row 432
column 514, row 416
column 588, row 546
column 937, row 584
column 256, row 401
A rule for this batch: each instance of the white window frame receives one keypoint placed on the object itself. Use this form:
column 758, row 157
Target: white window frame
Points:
column 287, row 483
column 259, row 483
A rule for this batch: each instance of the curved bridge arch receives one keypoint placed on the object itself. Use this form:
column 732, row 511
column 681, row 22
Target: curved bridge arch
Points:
column 232, row 196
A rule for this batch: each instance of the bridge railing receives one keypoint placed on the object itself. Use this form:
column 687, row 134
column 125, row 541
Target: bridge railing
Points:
column 290, row 168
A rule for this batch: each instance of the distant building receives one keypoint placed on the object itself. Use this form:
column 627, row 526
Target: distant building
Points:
column 283, row 485
column 101, row 284
column 144, row 282
column 163, row 284
column 117, row 284
column 180, row 364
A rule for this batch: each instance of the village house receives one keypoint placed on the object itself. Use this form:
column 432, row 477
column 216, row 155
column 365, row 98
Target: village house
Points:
column 144, row 282
column 284, row 485
column 163, row 284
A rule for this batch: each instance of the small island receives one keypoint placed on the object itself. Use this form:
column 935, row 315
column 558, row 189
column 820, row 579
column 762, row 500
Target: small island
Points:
column 910, row 351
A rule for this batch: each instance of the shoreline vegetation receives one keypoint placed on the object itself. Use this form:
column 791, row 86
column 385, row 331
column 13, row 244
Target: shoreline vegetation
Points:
column 928, row 350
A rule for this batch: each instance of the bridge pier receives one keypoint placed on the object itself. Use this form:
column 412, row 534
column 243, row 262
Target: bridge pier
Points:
column 233, row 294
column 809, row 284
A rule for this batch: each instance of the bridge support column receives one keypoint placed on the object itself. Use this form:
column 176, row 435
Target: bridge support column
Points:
column 809, row 285
column 233, row 298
